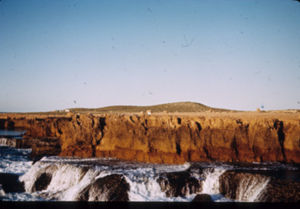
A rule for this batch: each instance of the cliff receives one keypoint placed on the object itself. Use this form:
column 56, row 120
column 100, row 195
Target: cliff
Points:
column 167, row 138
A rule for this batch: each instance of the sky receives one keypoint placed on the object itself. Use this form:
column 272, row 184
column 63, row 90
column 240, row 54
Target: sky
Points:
column 235, row 54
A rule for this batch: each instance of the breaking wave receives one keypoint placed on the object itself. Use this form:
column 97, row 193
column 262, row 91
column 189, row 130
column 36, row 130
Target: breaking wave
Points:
column 93, row 179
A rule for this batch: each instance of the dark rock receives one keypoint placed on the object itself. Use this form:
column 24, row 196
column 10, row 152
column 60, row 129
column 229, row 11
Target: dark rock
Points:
column 281, row 191
column 10, row 183
column 25, row 143
column 178, row 184
column 109, row 188
column 42, row 182
column 43, row 147
column 199, row 171
column 2, row 123
column 202, row 198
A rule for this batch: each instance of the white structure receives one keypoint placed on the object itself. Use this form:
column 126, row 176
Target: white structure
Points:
column 148, row 112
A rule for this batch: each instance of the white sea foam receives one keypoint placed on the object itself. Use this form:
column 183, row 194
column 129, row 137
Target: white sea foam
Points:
column 211, row 182
column 71, row 176
column 8, row 166
column 146, row 190
column 21, row 197
column 30, row 177
column 251, row 187
column 14, row 160
column 66, row 180
column 70, row 179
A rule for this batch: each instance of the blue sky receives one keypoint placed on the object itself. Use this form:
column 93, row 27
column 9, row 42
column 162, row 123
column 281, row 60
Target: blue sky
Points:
column 236, row 54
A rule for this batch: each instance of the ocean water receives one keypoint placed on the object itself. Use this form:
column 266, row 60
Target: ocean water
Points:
column 14, row 160
column 12, row 133
column 68, row 180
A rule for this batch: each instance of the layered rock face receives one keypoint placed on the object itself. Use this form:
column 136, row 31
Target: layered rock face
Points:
column 163, row 138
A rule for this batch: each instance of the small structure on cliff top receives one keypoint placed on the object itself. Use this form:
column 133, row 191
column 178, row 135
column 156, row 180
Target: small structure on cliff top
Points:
column 148, row 112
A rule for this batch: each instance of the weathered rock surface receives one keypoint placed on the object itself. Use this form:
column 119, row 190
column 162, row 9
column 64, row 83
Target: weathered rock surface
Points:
column 281, row 191
column 109, row 188
column 163, row 138
column 202, row 198
column 44, row 146
column 10, row 183
column 176, row 184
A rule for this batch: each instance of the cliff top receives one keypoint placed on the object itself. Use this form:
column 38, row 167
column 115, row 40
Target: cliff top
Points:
column 189, row 109
column 168, row 107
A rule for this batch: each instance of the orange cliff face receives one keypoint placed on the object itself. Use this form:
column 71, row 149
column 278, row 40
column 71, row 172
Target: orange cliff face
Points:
column 169, row 138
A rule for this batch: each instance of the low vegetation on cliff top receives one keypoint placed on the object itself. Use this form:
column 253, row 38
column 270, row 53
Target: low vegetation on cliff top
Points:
column 169, row 107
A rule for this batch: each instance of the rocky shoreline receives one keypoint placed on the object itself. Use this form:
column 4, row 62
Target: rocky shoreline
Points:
column 86, row 182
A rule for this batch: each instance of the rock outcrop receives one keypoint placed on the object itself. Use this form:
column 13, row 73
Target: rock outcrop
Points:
column 163, row 138
column 202, row 198
column 43, row 146
column 10, row 183
column 177, row 184
column 109, row 188
column 281, row 191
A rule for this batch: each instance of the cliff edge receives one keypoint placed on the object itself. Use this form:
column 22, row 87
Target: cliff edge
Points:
column 167, row 137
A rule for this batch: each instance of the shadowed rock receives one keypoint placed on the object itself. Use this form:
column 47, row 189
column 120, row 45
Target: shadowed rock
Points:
column 178, row 184
column 109, row 188
column 202, row 198
column 281, row 191
column 42, row 182
column 10, row 183
column 44, row 146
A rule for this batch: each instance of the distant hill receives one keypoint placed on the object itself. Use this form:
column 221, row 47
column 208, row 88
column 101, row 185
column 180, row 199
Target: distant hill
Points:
column 169, row 107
